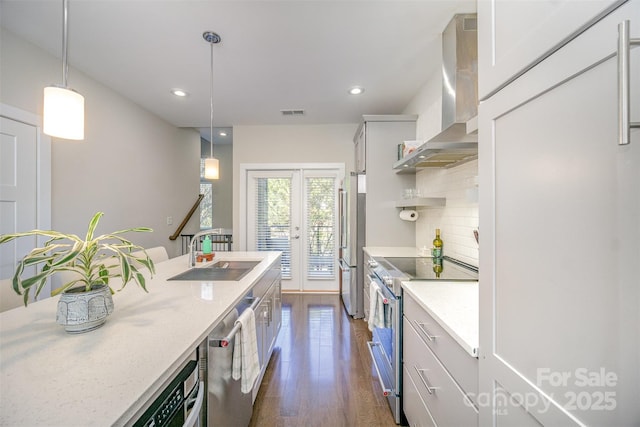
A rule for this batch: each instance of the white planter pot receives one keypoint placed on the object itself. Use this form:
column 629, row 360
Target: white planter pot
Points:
column 80, row 311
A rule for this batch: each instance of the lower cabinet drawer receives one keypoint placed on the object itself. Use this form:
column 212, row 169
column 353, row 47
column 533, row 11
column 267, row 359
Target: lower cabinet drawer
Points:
column 446, row 402
column 414, row 408
column 462, row 366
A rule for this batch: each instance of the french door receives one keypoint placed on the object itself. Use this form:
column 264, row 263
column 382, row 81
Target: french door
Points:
column 295, row 211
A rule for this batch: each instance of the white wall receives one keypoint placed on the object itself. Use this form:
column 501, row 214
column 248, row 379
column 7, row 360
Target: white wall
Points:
column 132, row 165
column 459, row 217
column 223, row 188
column 289, row 144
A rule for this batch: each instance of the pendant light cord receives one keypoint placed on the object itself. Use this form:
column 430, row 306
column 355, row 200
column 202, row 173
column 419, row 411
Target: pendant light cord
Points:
column 211, row 100
column 65, row 16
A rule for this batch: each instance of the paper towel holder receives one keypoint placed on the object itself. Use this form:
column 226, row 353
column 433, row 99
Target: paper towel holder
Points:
column 408, row 215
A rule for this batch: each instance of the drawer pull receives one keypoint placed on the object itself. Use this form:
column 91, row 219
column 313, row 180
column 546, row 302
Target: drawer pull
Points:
column 423, row 377
column 426, row 333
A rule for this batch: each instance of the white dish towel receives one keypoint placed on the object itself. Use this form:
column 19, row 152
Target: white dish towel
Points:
column 246, row 365
column 376, row 306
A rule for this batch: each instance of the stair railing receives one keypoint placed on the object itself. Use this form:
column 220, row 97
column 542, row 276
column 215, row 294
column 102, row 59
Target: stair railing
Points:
column 186, row 219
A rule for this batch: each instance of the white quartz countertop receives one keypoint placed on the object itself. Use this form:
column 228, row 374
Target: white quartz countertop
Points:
column 454, row 305
column 104, row 377
column 389, row 251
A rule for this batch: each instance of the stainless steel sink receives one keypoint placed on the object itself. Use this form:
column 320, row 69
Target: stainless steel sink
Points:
column 235, row 264
column 221, row 270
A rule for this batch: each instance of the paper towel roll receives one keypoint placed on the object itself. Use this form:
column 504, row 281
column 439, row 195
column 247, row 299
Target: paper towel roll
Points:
column 408, row 215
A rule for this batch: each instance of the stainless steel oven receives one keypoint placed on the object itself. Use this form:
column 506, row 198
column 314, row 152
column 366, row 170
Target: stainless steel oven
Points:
column 386, row 344
column 180, row 404
column 384, row 348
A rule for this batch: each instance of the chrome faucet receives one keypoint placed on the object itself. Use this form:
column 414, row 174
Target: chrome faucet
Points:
column 192, row 254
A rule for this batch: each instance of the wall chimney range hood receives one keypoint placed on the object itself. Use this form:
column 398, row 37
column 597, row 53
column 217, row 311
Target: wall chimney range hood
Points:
column 458, row 141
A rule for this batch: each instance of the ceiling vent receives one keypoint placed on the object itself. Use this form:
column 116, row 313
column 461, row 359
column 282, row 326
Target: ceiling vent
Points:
column 292, row 112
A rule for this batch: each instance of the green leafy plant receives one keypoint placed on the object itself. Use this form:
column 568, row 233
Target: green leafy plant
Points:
column 93, row 261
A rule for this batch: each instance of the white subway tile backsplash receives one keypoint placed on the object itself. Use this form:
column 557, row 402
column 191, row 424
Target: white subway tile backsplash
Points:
column 458, row 218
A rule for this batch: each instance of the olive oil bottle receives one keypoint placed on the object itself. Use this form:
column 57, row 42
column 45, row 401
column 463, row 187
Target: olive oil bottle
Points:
column 437, row 245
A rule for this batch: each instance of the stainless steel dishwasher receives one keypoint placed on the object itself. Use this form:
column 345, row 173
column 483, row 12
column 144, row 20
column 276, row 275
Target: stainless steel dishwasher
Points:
column 227, row 406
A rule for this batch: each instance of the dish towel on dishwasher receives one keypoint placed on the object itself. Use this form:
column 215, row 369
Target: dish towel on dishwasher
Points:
column 246, row 365
column 376, row 306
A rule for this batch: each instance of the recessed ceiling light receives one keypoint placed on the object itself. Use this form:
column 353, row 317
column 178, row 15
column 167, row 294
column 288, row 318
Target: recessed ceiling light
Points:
column 179, row 92
column 222, row 134
column 356, row 90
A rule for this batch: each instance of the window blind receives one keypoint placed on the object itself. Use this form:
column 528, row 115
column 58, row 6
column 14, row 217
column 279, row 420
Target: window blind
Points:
column 320, row 225
column 273, row 218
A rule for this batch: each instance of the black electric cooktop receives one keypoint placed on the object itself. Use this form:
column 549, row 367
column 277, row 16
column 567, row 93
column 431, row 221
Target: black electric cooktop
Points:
column 425, row 268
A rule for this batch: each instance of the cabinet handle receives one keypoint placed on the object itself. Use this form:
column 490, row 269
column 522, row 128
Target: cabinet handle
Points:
column 426, row 333
column 624, row 86
column 269, row 312
column 423, row 377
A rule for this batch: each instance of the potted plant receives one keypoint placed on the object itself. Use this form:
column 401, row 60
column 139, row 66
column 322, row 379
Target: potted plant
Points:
column 86, row 267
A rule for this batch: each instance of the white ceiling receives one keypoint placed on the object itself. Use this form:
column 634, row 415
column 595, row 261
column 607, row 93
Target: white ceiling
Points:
column 274, row 55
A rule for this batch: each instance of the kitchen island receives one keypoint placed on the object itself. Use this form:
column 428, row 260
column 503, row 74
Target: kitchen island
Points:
column 105, row 377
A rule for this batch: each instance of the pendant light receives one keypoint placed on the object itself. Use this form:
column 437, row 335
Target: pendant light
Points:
column 63, row 107
column 211, row 165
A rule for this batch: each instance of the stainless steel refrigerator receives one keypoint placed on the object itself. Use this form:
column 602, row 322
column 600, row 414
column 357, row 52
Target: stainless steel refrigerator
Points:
column 352, row 209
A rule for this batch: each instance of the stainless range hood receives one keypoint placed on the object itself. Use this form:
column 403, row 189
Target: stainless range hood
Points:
column 458, row 141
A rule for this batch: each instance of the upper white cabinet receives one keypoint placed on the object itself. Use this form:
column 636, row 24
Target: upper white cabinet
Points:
column 515, row 35
column 376, row 144
column 361, row 148
column 559, row 213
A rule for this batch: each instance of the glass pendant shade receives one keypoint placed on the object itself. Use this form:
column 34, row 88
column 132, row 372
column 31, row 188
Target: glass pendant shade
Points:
column 63, row 113
column 211, row 168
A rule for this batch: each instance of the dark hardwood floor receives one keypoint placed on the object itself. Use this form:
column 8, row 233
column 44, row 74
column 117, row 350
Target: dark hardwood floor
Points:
column 320, row 373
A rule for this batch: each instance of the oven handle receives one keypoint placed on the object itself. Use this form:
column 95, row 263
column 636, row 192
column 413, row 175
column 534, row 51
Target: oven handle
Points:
column 196, row 407
column 386, row 391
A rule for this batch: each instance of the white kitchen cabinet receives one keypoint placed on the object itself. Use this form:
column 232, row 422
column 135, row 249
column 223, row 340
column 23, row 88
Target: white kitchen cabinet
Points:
column 437, row 372
column 268, row 320
column 415, row 409
column 559, row 212
column 515, row 35
column 378, row 138
column 360, row 146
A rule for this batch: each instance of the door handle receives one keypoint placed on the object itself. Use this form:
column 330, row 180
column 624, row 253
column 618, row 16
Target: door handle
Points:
column 297, row 236
column 624, row 84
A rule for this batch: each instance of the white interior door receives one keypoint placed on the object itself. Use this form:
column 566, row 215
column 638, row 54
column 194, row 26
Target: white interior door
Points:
column 18, row 190
column 295, row 211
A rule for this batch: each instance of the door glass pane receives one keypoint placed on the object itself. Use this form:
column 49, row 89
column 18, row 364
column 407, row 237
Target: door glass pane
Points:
column 206, row 205
column 320, row 221
column 273, row 218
